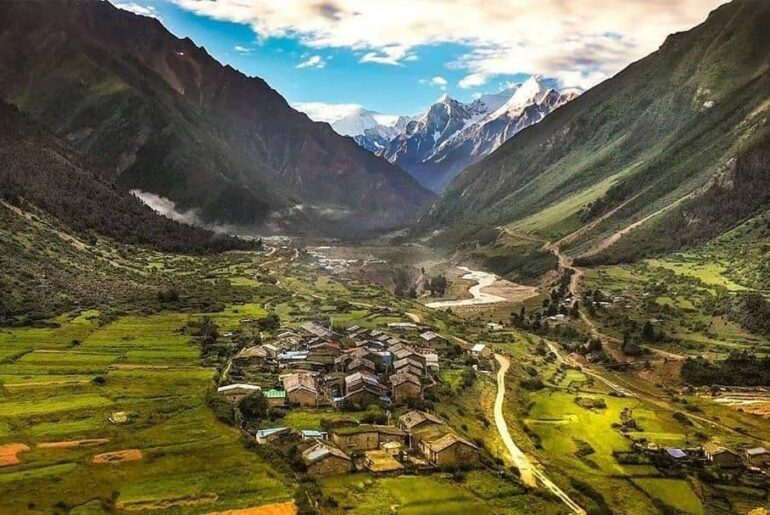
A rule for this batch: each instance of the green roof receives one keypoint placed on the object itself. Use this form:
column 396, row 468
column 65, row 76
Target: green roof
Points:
column 275, row 394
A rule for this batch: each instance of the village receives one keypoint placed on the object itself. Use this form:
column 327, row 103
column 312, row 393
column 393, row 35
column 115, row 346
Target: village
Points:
column 388, row 374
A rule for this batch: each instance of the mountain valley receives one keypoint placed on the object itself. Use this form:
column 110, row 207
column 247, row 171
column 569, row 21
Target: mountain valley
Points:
column 543, row 300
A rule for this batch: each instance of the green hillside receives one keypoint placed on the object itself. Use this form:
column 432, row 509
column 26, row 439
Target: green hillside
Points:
column 681, row 134
column 158, row 114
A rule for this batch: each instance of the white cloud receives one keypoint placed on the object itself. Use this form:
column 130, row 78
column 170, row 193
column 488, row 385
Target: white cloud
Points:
column 393, row 55
column 143, row 10
column 437, row 81
column 322, row 112
column 473, row 80
column 581, row 40
column 314, row 61
column 243, row 50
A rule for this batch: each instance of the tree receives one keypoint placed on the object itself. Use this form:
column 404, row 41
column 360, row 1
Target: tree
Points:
column 648, row 332
column 438, row 285
column 253, row 407
column 269, row 323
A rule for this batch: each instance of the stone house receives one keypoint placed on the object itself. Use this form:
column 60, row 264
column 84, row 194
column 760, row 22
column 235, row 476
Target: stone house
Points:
column 405, row 386
column 415, row 420
column 434, row 341
column 254, row 354
column 361, row 365
column 480, row 351
column 722, row 457
column 409, row 366
column 451, row 451
column 301, row 389
column 401, row 351
column 363, row 389
column 235, row 392
column 365, row 437
column 324, row 460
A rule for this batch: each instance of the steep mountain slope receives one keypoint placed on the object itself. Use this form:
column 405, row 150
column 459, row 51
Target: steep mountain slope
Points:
column 39, row 170
column 160, row 115
column 451, row 135
column 669, row 153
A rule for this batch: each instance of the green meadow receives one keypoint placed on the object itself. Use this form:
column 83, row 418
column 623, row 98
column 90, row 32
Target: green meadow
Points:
column 190, row 461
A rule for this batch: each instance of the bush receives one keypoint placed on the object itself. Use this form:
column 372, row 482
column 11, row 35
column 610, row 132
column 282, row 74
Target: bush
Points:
column 253, row 407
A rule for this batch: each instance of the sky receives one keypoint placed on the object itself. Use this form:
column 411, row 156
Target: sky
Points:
column 327, row 57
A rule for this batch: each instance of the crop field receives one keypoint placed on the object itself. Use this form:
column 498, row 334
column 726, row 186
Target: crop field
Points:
column 189, row 461
column 477, row 492
column 678, row 293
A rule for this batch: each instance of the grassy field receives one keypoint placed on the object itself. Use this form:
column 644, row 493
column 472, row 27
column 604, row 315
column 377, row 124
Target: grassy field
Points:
column 477, row 492
column 190, row 462
column 678, row 294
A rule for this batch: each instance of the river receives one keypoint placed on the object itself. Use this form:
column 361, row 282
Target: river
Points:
column 483, row 279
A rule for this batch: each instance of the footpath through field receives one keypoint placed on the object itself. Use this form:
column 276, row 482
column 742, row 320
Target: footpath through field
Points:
column 529, row 474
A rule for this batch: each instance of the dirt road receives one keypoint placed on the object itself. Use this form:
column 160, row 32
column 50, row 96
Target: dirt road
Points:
column 530, row 475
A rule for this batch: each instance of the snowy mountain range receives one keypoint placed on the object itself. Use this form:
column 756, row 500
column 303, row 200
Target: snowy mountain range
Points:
column 451, row 135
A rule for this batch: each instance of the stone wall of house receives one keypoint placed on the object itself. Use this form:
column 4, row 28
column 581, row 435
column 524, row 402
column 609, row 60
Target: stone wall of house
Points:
column 363, row 441
column 406, row 391
column 455, row 456
column 329, row 466
column 302, row 397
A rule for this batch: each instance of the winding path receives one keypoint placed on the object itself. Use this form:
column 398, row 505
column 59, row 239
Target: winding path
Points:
column 529, row 474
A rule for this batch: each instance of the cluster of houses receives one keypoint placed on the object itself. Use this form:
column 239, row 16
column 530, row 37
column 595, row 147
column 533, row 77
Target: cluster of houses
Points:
column 753, row 460
column 337, row 265
column 419, row 440
column 314, row 367
column 318, row 368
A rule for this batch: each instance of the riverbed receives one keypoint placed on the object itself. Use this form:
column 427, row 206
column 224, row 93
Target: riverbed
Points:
column 483, row 280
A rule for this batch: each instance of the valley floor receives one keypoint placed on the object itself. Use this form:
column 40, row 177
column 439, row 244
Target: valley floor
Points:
column 108, row 407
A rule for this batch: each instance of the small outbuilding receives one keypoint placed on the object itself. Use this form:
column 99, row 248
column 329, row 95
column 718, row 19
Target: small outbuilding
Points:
column 325, row 460
column 235, row 392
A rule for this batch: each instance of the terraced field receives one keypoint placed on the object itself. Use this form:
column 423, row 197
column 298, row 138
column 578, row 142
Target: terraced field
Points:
column 57, row 389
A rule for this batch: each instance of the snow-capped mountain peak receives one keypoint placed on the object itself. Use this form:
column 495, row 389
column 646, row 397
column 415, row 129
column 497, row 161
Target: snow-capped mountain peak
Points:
column 451, row 135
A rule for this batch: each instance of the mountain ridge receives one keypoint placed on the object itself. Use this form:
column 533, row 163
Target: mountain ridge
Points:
column 678, row 122
column 450, row 135
column 159, row 114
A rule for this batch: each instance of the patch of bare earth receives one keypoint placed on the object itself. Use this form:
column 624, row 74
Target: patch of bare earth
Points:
column 165, row 504
column 73, row 444
column 9, row 453
column 284, row 508
column 118, row 456
column 512, row 292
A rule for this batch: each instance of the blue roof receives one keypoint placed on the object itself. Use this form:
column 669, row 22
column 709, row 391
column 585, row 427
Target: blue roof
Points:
column 676, row 453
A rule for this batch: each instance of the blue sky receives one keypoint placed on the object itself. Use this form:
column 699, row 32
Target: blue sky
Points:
column 398, row 56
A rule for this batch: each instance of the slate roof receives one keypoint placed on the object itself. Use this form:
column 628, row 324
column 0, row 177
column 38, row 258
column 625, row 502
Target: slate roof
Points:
column 447, row 441
column 399, row 379
column 414, row 418
column 299, row 382
column 320, row 451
